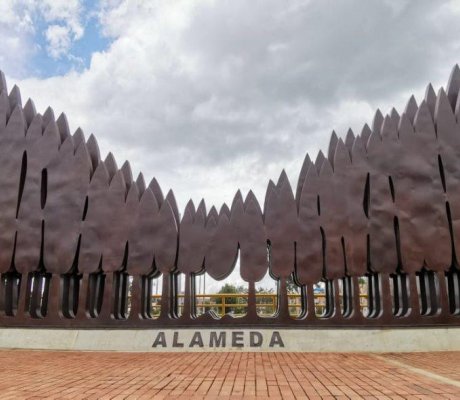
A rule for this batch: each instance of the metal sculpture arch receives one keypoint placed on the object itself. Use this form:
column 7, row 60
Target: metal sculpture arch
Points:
column 384, row 204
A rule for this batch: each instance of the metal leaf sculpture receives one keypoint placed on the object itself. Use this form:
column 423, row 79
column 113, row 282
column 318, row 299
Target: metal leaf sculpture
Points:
column 191, row 251
column 14, row 166
column 282, row 232
column 41, row 147
column 384, row 204
column 222, row 252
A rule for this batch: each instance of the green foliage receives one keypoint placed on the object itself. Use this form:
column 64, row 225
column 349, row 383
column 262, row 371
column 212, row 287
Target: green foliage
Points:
column 232, row 289
column 291, row 286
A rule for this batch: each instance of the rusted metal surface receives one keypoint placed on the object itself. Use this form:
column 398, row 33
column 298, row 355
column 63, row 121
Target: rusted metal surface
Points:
column 81, row 240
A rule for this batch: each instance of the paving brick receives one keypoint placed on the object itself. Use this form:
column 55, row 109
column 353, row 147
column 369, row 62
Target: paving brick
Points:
column 101, row 375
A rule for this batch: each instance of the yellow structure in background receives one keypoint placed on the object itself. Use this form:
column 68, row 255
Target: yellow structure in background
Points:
column 236, row 303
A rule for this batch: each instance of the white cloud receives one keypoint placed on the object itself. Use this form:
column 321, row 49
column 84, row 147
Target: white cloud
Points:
column 213, row 96
column 16, row 28
column 59, row 40
column 21, row 20
column 69, row 28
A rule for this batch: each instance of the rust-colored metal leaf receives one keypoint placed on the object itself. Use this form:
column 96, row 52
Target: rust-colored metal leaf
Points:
column 111, row 166
column 173, row 204
column 78, row 137
column 68, row 177
column 14, row 168
column 222, row 253
column 282, row 228
column 94, row 224
column 165, row 240
column 309, row 249
column 319, row 161
column 377, row 122
column 332, row 146
column 127, row 174
column 349, row 140
column 142, row 236
column 63, row 127
column 253, row 242
column 115, row 231
column 140, row 182
column 330, row 206
column 29, row 111
column 365, row 134
column 93, row 150
column 448, row 140
column 156, row 190
column 453, row 86
column 191, row 240
column 411, row 109
column 15, row 98
column 303, row 173
column 430, row 99
column 40, row 149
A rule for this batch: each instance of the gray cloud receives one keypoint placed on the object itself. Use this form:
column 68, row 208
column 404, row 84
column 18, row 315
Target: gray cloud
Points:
column 211, row 96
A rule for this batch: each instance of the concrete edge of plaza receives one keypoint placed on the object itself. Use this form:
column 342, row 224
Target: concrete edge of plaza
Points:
column 291, row 340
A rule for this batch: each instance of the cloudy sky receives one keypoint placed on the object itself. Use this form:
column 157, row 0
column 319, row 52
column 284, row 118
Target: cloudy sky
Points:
column 212, row 96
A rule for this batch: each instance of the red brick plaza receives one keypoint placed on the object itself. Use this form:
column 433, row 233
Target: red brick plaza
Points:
column 29, row 374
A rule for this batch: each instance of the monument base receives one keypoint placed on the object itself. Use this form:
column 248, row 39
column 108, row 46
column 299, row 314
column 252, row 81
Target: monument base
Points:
column 291, row 340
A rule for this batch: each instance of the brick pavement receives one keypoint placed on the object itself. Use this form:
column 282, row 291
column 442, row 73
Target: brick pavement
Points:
column 98, row 375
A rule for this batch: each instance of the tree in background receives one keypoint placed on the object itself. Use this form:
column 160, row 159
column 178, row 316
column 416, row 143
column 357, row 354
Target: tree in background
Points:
column 292, row 288
column 232, row 289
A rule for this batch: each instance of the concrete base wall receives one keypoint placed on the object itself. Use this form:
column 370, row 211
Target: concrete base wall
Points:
column 317, row 340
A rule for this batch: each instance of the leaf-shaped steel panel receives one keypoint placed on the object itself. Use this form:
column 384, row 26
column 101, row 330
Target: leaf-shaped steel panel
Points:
column 357, row 219
column 165, row 240
column 5, row 111
column 142, row 235
column 173, row 204
column 253, row 242
column 377, row 122
column 448, row 139
column 222, row 252
column 111, row 166
column 191, row 240
column 282, row 228
column 365, row 134
column 411, row 109
column 303, row 173
column 63, row 127
column 40, row 150
column 95, row 223
column 127, row 174
column 140, row 182
column 115, row 229
column 68, row 180
column 237, row 214
column 93, row 150
column 29, row 112
column 382, row 242
column 429, row 205
column 225, row 210
column 411, row 245
column 332, row 146
column 319, row 161
column 156, row 190
column 349, row 140
column 453, row 86
column 15, row 98
column 78, row 137
column 430, row 99
column 330, row 208
column 14, row 168
column 309, row 249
